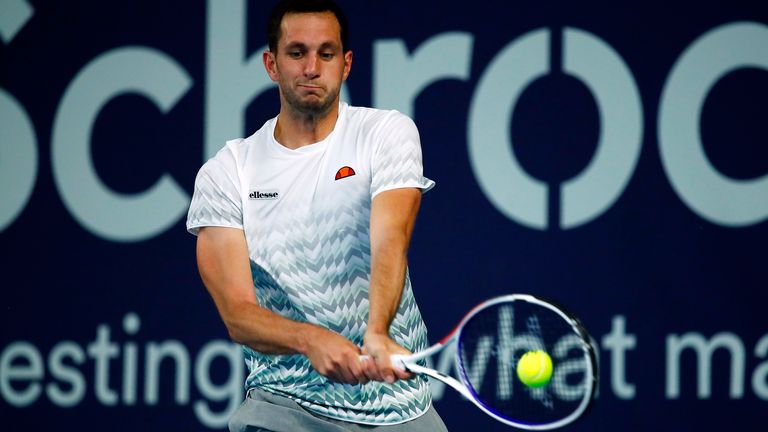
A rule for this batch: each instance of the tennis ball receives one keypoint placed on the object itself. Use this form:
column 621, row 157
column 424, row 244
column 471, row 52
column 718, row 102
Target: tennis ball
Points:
column 535, row 368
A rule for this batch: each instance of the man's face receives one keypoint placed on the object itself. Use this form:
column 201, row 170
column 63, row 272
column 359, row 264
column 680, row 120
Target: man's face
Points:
column 309, row 65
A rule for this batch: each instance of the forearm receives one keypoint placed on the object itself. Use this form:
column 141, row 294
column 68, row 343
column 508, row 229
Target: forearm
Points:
column 224, row 267
column 388, row 268
column 393, row 214
column 331, row 354
column 222, row 257
column 267, row 332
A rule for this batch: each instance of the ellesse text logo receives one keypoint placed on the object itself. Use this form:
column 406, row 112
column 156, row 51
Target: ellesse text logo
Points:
column 267, row 194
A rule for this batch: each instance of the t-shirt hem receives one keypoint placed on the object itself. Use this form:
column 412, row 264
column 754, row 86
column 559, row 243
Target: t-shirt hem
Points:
column 429, row 405
column 425, row 187
column 194, row 229
column 362, row 422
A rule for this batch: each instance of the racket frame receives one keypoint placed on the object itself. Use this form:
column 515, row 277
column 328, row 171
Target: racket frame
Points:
column 464, row 387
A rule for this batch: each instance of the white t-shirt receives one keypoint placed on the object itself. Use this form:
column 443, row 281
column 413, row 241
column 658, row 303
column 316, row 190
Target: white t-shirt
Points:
column 306, row 215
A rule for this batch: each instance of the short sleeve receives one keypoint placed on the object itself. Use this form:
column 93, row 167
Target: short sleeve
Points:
column 216, row 200
column 397, row 161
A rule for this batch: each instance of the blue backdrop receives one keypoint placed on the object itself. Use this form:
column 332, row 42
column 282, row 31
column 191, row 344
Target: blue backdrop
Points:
column 610, row 157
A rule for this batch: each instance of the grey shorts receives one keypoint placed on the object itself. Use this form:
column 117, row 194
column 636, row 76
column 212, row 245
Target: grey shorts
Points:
column 265, row 412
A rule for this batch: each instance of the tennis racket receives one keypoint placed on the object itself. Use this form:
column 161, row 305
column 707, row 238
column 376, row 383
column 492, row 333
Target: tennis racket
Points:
column 492, row 338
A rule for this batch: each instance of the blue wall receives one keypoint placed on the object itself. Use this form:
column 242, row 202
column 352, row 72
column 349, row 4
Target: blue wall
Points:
column 613, row 158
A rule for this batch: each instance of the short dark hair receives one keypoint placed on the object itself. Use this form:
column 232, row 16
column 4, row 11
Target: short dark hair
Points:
column 304, row 6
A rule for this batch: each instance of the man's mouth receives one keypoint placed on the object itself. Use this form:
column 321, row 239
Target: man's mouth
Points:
column 310, row 86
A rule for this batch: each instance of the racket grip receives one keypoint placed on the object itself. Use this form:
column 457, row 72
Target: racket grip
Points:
column 398, row 360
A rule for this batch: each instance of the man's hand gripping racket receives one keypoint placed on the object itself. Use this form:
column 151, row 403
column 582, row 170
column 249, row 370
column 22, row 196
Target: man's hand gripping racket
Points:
column 551, row 388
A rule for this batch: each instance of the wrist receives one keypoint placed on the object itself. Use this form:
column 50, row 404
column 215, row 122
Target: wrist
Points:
column 375, row 334
column 306, row 335
column 374, row 329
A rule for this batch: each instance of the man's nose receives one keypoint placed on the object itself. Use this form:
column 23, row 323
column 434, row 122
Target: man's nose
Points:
column 311, row 69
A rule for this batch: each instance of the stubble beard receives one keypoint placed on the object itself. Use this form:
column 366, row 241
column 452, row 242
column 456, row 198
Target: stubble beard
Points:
column 314, row 108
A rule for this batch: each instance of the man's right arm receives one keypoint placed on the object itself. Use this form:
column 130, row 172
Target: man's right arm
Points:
column 222, row 258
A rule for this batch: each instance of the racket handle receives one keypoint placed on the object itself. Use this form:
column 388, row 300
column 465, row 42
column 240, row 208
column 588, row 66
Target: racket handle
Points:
column 398, row 360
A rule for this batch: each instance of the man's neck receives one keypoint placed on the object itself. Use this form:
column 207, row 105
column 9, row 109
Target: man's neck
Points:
column 295, row 130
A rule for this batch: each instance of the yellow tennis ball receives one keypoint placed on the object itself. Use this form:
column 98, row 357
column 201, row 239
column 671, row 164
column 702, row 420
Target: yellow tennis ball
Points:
column 535, row 369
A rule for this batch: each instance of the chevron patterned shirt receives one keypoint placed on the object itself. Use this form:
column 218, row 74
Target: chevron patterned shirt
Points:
column 306, row 215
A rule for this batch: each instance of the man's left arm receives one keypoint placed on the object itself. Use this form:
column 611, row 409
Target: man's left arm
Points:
column 393, row 214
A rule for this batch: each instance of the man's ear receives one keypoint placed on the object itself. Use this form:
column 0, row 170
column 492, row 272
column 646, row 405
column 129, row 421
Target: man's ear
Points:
column 347, row 64
column 270, row 64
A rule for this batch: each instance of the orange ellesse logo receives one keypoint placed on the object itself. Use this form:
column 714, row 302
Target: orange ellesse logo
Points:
column 344, row 172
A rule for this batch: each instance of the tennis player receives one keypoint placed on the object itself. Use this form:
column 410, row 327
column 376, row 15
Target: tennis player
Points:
column 303, row 230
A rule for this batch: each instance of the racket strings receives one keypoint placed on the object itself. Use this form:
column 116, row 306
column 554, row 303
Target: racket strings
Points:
column 491, row 344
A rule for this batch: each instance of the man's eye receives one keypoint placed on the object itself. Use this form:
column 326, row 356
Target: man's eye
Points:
column 326, row 56
column 294, row 54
